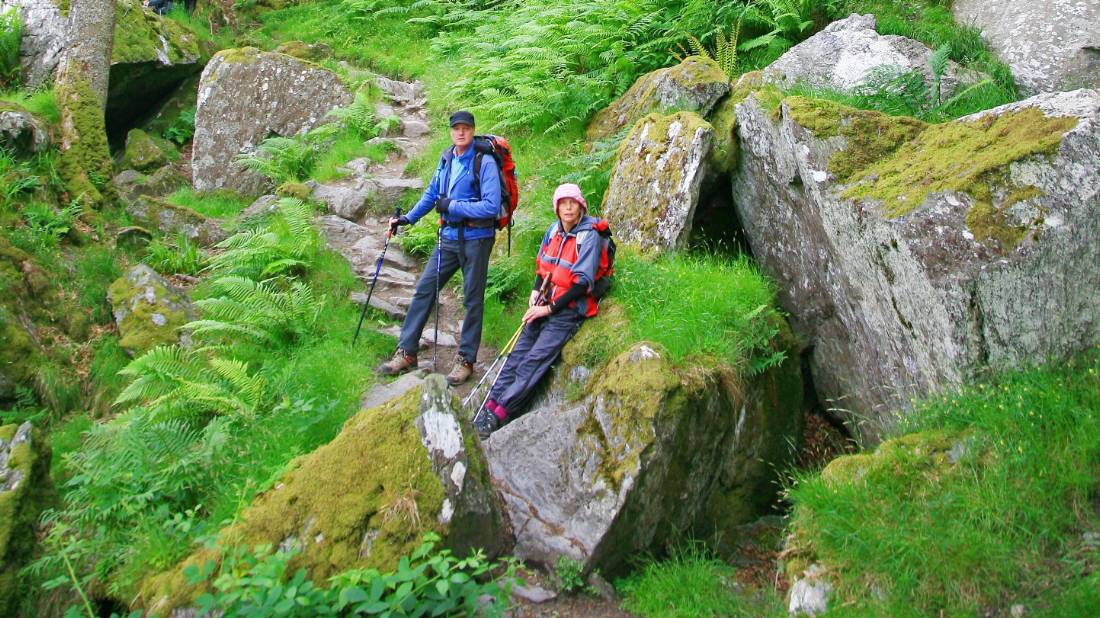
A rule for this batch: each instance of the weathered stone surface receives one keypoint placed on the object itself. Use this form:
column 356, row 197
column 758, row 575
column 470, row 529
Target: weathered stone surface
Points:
column 148, row 310
column 810, row 594
column 694, row 85
column 246, row 96
column 262, row 206
column 43, row 40
column 25, row 489
column 21, row 131
column 344, row 200
column 132, row 184
column 654, row 188
column 363, row 500
column 912, row 256
column 143, row 152
column 1049, row 44
column 156, row 213
column 643, row 457
column 848, row 52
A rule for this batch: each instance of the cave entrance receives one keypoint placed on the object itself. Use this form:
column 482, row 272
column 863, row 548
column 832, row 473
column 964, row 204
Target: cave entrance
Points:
column 716, row 228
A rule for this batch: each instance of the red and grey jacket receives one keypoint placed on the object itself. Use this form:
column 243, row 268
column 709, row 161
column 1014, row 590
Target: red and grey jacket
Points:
column 572, row 262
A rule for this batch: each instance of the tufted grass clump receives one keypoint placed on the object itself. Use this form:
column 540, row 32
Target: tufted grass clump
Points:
column 986, row 499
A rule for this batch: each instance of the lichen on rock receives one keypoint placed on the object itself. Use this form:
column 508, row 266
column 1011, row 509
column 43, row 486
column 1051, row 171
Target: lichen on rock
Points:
column 144, row 152
column 694, row 85
column 25, row 489
column 160, row 214
column 654, row 186
column 148, row 310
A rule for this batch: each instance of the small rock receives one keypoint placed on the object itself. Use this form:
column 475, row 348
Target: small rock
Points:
column 21, row 131
column 380, row 304
column 415, row 128
column 144, row 152
column 148, row 309
column 264, row 205
column 349, row 202
column 601, row 586
column 382, row 392
column 1017, row 611
column 810, row 594
column 533, row 594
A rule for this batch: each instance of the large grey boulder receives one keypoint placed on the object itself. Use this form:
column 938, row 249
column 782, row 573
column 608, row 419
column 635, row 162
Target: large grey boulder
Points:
column 366, row 498
column 912, row 256
column 694, row 85
column 848, row 53
column 654, row 187
column 246, row 96
column 652, row 452
column 43, row 38
column 1049, row 44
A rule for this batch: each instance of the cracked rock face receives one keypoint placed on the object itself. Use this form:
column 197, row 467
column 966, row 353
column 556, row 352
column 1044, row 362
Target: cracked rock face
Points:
column 246, row 96
column 43, row 40
column 654, row 188
column 1049, row 44
column 913, row 262
column 650, row 453
column 849, row 52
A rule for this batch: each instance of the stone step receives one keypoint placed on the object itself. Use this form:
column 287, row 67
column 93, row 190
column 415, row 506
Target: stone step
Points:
column 379, row 303
column 385, row 391
column 446, row 339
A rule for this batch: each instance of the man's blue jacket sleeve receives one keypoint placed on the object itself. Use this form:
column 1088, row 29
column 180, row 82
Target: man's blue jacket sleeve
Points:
column 489, row 205
column 431, row 194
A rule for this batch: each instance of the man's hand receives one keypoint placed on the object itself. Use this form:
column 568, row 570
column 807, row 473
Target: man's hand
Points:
column 396, row 222
column 534, row 313
column 534, row 300
column 443, row 204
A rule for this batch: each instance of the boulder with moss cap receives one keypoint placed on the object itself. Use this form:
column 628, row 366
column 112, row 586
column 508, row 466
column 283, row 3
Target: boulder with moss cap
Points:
column 394, row 472
column 246, row 96
column 160, row 214
column 694, row 85
column 25, row 489
column 21, row 131
column 652, row 451
column 148, row 310
column 144, row 152
column 912, row 256
column 654, row 187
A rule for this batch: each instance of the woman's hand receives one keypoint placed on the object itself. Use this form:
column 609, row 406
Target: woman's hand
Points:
column 535, row 313
column 531, row 302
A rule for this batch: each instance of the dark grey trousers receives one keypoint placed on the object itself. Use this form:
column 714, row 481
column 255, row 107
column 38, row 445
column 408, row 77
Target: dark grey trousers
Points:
column 474, row 270
column 538, row 346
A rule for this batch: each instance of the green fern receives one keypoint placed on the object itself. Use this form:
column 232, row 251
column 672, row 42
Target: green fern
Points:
column 289, row 243
column 260, row 312
column 358, row 117
column 282, row 159
column 937, row 64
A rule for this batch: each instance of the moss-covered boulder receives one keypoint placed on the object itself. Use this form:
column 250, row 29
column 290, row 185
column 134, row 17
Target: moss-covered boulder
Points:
column 25, row 489
column 654, row 187
column 313, row 52
column 914, row 256
column 247, row 96
column 148, row 310
column 694, row 85
column 132, row 184
column 650, row 453
column 365, row 499
column 159, row 214
column 21, row 131
column 151, row 57
column 145, row 152
column 19, row 281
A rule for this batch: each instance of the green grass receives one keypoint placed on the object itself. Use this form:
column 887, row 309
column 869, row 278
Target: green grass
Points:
column 65, row 437
column 219, row 204
column 1003, row 525
column 691, row 583
column 347, row 146
column 41, row 103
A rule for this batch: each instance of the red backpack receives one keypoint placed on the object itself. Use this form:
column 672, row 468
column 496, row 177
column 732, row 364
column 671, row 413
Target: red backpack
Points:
column 498, row 148
column 606, row 272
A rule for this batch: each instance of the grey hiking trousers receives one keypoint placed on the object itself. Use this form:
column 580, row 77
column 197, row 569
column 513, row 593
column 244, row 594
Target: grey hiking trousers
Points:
column 538, row 346
column 475, row 268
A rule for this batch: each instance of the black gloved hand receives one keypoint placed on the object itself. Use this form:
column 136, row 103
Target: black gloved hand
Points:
column 443, row 204
column 397, row 222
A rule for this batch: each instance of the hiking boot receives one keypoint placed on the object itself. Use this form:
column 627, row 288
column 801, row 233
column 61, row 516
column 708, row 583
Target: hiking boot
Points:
column 399, row 364
column 485, row 423
column 461, row 372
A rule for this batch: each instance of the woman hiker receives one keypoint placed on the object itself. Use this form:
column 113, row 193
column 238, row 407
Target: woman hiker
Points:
column 568, row 263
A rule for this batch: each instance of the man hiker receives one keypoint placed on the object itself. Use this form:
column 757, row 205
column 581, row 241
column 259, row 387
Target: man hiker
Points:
column 468, row 214
column 567, row 267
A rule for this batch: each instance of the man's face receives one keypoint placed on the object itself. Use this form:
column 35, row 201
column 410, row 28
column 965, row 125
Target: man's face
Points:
column 462, row 135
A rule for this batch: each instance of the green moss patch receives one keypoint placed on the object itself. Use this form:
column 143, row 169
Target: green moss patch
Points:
column 957, row 156
column 363, row 500
column 85, row 157
column 19, row 510
column 143, row 36
column 153, row 313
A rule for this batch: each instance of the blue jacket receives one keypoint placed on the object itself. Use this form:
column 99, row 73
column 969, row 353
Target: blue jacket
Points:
column 465, row 203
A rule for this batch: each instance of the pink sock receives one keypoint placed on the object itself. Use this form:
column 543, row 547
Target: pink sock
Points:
column 497, row 410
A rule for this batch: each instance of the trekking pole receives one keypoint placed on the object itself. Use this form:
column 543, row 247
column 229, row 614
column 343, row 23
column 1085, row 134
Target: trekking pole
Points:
column 438, row 256
column 504, row 352
column 374, row 280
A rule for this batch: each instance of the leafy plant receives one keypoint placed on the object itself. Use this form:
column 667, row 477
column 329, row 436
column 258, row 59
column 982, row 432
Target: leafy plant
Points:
column 174, row 382
column 180, row 255
column 358, row 117
column 725, row 49
column 273, row 311
column 287, row 159
column 427, row 583
column 287, row 244
column 182, row 128
column 787, row 22
column 11, row 32
column 569, row 572
column 50, row 224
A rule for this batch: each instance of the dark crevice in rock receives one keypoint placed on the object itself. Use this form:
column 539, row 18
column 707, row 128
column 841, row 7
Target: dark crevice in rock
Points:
column 716, row 228
column 811, row 401
column 977, row 320
column 136, row 88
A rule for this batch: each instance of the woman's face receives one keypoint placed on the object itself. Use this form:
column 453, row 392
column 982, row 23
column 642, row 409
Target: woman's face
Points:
column 569, row 211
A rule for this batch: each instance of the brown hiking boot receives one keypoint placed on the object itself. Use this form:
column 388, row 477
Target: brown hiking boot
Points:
column 399, row 364
column 460, row 372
